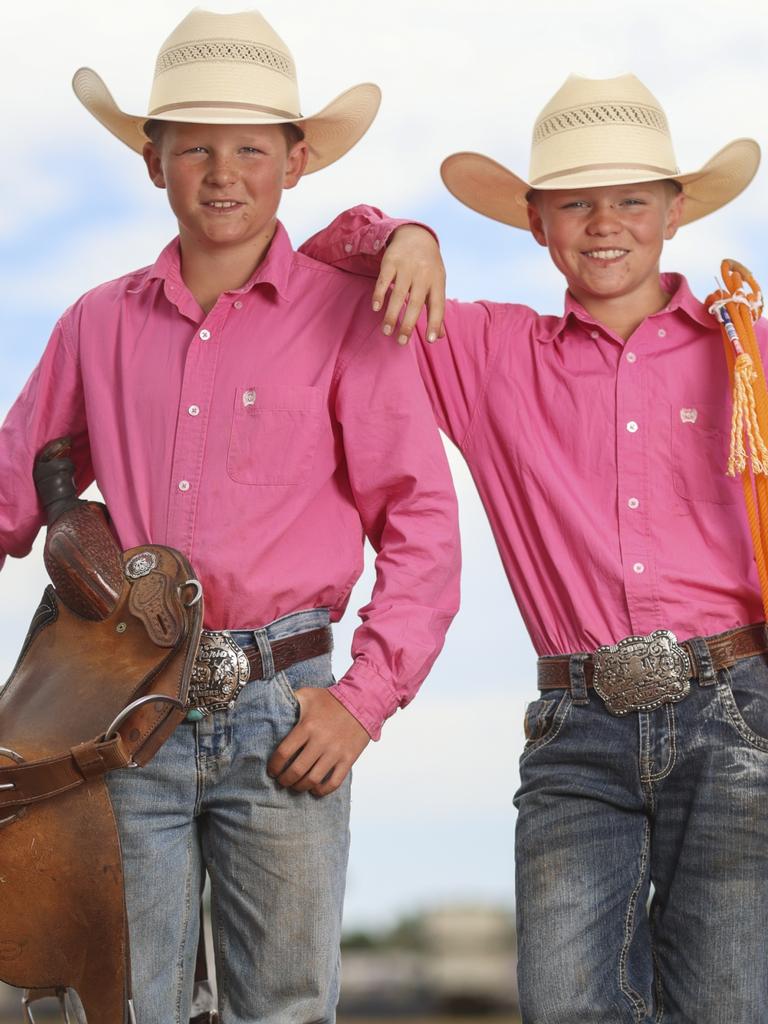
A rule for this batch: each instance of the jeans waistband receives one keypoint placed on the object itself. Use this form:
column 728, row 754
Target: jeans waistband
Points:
column 286, row 625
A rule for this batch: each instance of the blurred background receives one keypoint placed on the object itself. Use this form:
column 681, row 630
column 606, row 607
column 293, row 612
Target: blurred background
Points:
column 430, row 892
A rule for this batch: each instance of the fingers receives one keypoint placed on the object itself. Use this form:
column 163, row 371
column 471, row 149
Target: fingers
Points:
column 284, row 754
column 306, row 765
column 386, row 276
column 397, row 298
column 318, row 752
column 332, row 781
column 308, row 769
column 435, row 312
column 412, row 287
column 323, row 778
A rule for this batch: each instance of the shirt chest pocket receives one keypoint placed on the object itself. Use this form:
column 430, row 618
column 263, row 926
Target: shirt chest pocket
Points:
column 274, row 434
column 700, row 442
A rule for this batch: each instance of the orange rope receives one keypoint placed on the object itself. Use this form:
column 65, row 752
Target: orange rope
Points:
column 737, row 306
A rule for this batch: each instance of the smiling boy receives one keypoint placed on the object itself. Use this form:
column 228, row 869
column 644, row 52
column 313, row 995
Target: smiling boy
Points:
column 598, row 441
column 228, row 402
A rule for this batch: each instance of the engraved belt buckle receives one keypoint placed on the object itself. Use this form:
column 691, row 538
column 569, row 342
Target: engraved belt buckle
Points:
column 641, row 673
column 220, row 672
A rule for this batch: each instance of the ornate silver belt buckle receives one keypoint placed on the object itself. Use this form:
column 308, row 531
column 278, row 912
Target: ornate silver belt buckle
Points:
column 220, row 672
column 641, row 673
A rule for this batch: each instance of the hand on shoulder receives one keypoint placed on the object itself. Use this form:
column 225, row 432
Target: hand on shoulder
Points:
column 413, row 269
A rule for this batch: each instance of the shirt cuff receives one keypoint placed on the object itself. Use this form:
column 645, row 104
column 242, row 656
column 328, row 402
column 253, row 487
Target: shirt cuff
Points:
column 378, row 236
column 369, row 697
column 361, row 251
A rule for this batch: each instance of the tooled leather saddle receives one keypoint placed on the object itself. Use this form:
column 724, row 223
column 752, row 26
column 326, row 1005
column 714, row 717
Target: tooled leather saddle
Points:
column 100, row 683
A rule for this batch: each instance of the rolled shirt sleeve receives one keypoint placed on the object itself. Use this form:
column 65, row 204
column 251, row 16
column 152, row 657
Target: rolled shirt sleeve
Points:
column 455, row 370
column 355, row 240
column 50, row 405
column 402, row 487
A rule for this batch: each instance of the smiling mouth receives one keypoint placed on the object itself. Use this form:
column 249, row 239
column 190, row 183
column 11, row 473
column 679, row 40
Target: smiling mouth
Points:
column 605, row 254
column 222, row 204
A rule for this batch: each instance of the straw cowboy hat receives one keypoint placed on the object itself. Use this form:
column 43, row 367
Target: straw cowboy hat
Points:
column 609, row 131
column 232, row 69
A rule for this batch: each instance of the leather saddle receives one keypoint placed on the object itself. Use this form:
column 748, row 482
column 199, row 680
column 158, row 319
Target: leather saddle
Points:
column 100, row 683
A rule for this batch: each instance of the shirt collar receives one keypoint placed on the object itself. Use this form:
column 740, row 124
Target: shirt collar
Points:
column 274, row 270
column 681, row 298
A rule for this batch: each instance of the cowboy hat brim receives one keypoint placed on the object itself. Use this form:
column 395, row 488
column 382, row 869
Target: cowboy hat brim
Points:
column 491, row 189
column 329, row 134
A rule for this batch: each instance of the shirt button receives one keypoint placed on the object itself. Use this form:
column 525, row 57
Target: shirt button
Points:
column 633, row 503
column 348, row 247
column 631, row 357
column 237, row 304
column 638, row 567
column 632, row 427
column 594, row 334
column 662, row 333
column 183, row 485
column 204, row 335
column 194, row 410
column 377, row 244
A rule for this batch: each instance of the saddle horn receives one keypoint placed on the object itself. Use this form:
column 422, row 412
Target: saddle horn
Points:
column 77, row 531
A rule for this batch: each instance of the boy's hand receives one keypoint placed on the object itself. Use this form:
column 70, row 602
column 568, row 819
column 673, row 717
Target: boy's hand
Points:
column 412, row 265
column 318, row 752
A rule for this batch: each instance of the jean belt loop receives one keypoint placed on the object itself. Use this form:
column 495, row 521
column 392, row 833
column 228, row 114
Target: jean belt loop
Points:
column 265, row 650
column 579, row 692
column 702, row 661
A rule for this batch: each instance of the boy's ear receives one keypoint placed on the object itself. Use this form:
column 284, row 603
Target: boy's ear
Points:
column 674, row 214
column 536, row 224
column 154, row 164
column 295, row 164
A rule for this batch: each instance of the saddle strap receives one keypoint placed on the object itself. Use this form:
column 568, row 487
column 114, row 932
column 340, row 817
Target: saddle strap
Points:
column 30, row 781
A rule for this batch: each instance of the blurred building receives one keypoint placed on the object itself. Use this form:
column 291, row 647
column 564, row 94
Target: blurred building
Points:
column 449, row 959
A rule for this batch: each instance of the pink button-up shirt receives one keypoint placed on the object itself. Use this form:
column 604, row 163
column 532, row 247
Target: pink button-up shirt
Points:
column 600, row 463
column 262, row 439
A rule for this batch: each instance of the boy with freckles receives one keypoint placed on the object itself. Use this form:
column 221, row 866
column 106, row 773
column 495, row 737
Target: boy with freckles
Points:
column 229, row 403
column 598, row 440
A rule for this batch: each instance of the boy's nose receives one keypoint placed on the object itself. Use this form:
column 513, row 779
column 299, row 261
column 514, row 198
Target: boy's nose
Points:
column 604, row 221
column 221, row 172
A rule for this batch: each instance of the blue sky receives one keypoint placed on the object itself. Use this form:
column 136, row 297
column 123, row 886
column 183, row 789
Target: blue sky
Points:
column 432, row 802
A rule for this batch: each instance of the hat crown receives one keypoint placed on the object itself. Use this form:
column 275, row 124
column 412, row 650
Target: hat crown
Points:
column 224, row 61
column 600, row 124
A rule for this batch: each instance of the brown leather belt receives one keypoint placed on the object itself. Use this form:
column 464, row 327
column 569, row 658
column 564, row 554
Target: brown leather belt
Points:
column 641, row 673
column 222, row 667
column 290, row 650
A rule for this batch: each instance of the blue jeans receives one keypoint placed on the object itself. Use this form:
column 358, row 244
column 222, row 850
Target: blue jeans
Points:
column 676, row 798
column 276, row 859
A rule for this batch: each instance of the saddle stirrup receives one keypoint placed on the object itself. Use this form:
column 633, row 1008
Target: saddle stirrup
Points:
column 34, row 996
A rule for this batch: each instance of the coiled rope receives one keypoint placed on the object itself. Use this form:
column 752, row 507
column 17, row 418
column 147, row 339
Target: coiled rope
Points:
column 737, row 305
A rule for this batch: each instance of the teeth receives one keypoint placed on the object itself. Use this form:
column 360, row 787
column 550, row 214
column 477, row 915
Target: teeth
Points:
column 607, row 254
column 222, row 204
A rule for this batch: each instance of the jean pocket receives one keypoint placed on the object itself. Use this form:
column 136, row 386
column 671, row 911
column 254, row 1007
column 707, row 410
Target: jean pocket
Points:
column 314, row 672
column 274, row 434
column 745, row 702
column 543, row 720
column 286, row 690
